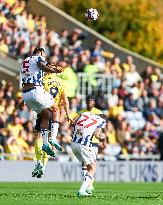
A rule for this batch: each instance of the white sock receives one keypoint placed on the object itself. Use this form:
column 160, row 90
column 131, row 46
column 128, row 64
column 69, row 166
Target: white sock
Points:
column 38, row 162
column 84, row 172
column 91, row 183
column 85, row 183
column 54, row 130
column 44, row 134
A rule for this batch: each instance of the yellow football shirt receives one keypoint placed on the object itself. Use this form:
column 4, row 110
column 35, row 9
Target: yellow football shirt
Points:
column 93, row 111
column 96, row 112
column 55, row 86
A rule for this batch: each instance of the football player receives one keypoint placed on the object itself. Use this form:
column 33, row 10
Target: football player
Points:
column 55, row 86
column 90, row 102
column 85, row 126
column 35, row 96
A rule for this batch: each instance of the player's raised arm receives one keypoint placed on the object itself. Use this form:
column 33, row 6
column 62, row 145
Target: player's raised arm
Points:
column 58, row 69
column 49, row 69
column 66, row 106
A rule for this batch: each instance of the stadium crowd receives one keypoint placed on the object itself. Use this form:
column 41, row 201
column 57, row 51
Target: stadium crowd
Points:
column 134, row 108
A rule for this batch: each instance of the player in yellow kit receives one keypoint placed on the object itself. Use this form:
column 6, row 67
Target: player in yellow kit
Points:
column 55, row 86
column 90, row 102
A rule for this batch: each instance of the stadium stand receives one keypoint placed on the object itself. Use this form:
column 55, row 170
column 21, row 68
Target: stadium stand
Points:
column 132, row 101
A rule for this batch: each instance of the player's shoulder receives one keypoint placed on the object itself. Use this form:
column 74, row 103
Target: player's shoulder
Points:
column 81, row 111
column 96, row 111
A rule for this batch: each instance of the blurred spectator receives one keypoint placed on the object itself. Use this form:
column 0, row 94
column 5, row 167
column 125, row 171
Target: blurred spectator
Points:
column 13, row 147
column 113, row 148
column 70, row 80
column 116, row 110
column 123, row 133
column 151, row 108
column 15, row 126
column 132, row 76
column 113, row 98
column 130, row 103
column 3, row 47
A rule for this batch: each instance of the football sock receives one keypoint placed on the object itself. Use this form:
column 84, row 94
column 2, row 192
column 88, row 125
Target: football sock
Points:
column 54, row 130
column 38, row 149
column 44, row 134
column 85, row 183
column 39, row 162
column 91, row 183
column 84, row 172
column 45, row 158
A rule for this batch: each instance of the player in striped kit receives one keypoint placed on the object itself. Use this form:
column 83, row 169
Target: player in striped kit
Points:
column 85, row 126
column 35, row 96
column 90, row 102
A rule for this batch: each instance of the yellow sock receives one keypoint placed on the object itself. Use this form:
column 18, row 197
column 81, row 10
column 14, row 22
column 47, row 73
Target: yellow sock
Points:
column 45, row 158
column 38, row 149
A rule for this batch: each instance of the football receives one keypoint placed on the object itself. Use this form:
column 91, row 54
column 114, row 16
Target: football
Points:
column 91, row 14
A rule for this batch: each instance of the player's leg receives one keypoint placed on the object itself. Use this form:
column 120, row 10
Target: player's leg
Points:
column 38, row 154
column 45, row 159
column 38, row 149
column 89, row 160
column 91, row 169
column 91, row 187
column 45, row 132
column 54, row 129
column 84, row 171
column 40, row 100
column 41, row 156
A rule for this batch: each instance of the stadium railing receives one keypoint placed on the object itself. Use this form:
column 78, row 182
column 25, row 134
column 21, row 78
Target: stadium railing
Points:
column 92, row 83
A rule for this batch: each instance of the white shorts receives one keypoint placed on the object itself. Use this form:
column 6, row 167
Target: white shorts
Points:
column 38, row 99
column 83, row 153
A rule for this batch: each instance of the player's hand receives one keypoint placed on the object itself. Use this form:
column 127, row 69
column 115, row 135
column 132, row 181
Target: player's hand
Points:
column 58, row 69
column 69, row 120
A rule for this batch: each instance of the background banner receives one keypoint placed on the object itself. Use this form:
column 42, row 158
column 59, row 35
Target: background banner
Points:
column 119, row 171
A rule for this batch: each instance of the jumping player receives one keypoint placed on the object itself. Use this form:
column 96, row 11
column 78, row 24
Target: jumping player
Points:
column 35, row 96
column 55, row 86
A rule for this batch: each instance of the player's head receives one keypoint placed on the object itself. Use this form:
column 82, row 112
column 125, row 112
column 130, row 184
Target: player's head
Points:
column 39, row 51
column 90, row 101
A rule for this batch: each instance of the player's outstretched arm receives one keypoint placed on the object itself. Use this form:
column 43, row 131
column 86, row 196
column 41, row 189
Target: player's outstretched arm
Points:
column 66, row 106
column 57, row 68
column 46, row 68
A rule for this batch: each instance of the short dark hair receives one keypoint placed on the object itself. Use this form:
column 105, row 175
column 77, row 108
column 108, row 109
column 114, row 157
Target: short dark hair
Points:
column 90, row 97
column 37, row 50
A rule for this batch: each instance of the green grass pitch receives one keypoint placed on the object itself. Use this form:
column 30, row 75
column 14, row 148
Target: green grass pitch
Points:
column 65, row 194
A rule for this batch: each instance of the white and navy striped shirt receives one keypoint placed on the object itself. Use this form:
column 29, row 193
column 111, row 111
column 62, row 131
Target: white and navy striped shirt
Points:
column 30, row 72
column 85, row 127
